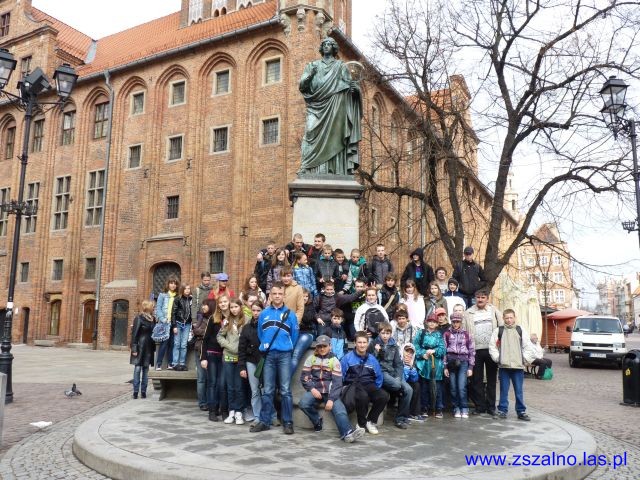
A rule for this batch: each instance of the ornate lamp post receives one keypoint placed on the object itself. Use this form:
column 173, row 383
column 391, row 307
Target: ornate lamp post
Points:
column 614, row 92
column 29, row 87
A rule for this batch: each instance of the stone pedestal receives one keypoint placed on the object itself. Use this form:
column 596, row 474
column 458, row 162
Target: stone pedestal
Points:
column 328, row 205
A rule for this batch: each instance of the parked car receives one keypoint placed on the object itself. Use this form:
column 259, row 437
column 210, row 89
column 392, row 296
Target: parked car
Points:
column 596, row 339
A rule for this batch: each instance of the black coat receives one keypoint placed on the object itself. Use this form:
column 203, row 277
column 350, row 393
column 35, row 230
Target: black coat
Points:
column 210, row 340
column 470, row 277
column 249, row 345
column 410, row 273
column 141, row 342
column 181, row 310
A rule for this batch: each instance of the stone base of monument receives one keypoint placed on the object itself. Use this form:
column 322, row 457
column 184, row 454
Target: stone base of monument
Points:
column 327, row 204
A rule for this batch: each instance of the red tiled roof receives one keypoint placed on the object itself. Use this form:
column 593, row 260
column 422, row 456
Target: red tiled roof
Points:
column 164, row 34
column 69, row 39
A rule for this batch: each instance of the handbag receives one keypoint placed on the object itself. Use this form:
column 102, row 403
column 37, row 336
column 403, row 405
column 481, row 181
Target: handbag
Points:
column 548, row 374
column 260, row 364
column 160, row 332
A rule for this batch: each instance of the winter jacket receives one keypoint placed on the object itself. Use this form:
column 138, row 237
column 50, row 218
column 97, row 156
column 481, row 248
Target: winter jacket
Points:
column 470, row 277
column 365, row 370
column 164, row 306
column 508, row 351
column 424, row 341
column 229, row 340
column 273, row 276
column 294, row 298
column 422, row 274
column 326, row 268
column 481, row 329
column 357, row 271
column 388, row 356
column 309, row 322
column 359, row 318
column 261, row 270
column 323, row 373
column 217, row 293
column 313, row 255
column 459, row 346
column 291, row 248
column 324, row 304
column 384, row 295
column 141, row 342
column 416, row 309
column 305, row 277
column 338, row 338
column 181, row 312
column 249, row 345
column 270, row 322
column 378, row 269
column 210, row 340
column 453, row 299
column 431, row 303
column 343, row 269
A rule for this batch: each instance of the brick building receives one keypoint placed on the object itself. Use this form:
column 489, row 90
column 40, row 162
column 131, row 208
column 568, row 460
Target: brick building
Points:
column 174, row 153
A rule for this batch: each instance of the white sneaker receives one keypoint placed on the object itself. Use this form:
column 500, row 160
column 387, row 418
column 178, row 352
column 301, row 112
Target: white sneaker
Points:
column 239, row 420
column 372, row 428
column 354, row 434
column 231, row 418
column 457, row 414
column 465, row 415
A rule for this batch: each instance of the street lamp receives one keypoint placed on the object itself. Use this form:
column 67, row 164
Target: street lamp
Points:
column 614, row 92
column 29, row 88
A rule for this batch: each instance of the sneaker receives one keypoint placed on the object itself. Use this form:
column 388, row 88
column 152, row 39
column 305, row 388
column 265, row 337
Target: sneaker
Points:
column 288, row 428
column 439, row 414
column 407, row 421
column 259, row 427
column 204, row 408
column 524, row 417
column 457, row 414
column 158, row 369
column 464, row 414
column 170, row 367
column 318, row 426
column 372, row 428
column 239, row 419
column 502, row 415
column 401, row 425
column 231, row 418
column 354, row 434
column 419, row 418
column 213, row 416
column 183, row 368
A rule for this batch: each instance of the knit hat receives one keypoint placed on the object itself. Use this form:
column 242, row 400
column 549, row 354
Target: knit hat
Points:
column 456, row 316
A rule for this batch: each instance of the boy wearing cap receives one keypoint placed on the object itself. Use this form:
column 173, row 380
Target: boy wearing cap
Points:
column 443, row 322
column 412, row 378
column 321, row 377
column 458, row 364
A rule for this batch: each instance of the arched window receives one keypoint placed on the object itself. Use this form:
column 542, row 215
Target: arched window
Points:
column 161, row 273
column 54, row 317
column 9, row 140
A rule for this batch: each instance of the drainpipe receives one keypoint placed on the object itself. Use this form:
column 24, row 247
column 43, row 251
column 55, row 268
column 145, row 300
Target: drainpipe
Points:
column 107, row 79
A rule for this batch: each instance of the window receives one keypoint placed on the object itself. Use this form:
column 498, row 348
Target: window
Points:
column 221, row 139
column 101, row 122
column 95, row 198
column 5, row 20
column 272, row 71
column 531, row 261
column 173, row 206
column 54, row 317
column 558, row 277
column 24, row 272
column 56, row 274
column 137, row 103
column 5, row 194
column 544, row 260
column 135, row 155
column 175, row 148
column 558, row 296
column 178, row 93
column 270, row 131
column 38, row 135
column 195, row 11
column 557, row 260
column 375, row 119
column 9, row 142
column 33, row 189
column 531, row 278
column 68, row 127
column 545, row 297
column 222, row 82
column 61, row 203
column 90, row 269
column 25, row 66
column 216, row 261
column 373, row 221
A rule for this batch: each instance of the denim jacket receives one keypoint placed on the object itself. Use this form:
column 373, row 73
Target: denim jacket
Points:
column 162, row 307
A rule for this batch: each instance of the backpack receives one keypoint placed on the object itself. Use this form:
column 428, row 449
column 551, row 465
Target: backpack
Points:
column 372, row 318
column 501, row 330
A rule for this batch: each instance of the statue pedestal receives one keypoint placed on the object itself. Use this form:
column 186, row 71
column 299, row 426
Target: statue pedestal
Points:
column 327, row 205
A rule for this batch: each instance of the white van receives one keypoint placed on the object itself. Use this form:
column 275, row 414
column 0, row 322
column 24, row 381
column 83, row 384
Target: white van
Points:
column 596, row 338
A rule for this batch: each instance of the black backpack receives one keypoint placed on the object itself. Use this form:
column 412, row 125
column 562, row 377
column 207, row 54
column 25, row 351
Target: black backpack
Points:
column 372, row 318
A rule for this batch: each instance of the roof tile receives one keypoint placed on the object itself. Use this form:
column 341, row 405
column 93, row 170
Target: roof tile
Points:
column 70, row 40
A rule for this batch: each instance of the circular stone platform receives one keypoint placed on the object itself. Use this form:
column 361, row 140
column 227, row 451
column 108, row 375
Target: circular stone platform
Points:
column 145, row 439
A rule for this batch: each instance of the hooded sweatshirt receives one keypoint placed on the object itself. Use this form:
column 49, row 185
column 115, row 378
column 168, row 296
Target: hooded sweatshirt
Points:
column 421, row 273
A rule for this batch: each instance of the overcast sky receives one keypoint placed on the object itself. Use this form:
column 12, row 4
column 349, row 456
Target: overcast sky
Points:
column 604, row 243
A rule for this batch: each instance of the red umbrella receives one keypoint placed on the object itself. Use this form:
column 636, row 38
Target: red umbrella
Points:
column 567, row 313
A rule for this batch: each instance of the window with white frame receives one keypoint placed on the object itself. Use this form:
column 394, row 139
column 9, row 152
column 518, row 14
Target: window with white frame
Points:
column 544, row 260
column 33, row 189
column 9, row 142
column 135, row 156
column 56, row 273
column 220, row 139
column 557, row 260
column 558, row 296
column 38, row 135
column 95, row 198
column 531, row 261
column 558, row 277
column 101, row 122
column 178, row 93
column 5, row 197
column 270, row 131
column 61, row 203
column 222, row 84
column 272, row 71
column 137, row 103
column 174, row 148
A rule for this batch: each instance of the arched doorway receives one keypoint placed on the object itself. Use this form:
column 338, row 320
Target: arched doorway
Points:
column 161, row 272
column 88, row 321
column 119, row 322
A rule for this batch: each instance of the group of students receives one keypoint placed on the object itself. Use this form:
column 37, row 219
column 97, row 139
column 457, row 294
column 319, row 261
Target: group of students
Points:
column 408, row 343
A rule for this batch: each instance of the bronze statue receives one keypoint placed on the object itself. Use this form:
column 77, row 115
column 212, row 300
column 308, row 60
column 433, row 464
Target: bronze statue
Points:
column 334, row 113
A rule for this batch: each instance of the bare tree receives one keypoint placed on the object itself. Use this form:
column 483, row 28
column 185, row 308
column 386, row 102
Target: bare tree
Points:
column 536, row 69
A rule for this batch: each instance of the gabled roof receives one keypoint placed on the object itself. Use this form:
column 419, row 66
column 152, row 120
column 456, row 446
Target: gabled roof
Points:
column 69, row 39
column 548, row 233
column 164, row 34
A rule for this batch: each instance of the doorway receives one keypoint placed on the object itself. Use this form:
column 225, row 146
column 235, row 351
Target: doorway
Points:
column 88, row 321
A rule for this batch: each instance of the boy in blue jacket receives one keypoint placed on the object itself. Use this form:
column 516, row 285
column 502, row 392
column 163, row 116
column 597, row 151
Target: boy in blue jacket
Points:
column 412, row 377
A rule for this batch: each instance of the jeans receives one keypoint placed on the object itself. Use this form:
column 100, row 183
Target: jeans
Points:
column 458, row 385
column 201, row 383
column 256, row 392
column 277, row 366
column 515, row 376
column 425, row 395
column 484, row 403
column 309, row 405
column 302, row 345
column 233, row 382
column 393, row 384
column 136, row 378
column 166, row 347
column 180, row 344
column 214, row 380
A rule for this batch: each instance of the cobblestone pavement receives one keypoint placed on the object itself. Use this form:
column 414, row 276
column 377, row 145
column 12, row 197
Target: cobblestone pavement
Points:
column 590, row 397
